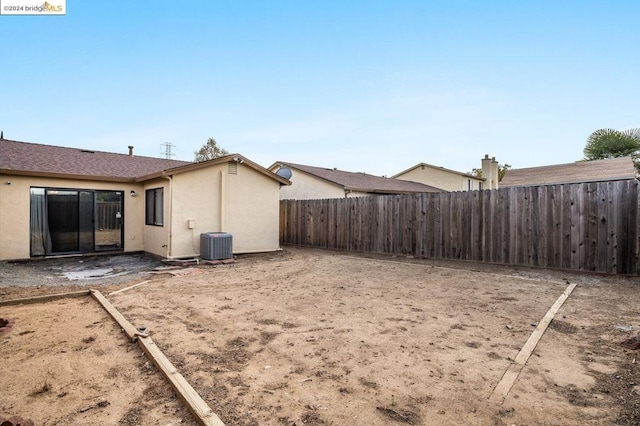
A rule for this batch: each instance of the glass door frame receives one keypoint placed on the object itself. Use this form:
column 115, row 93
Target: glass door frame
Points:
column 80, row 225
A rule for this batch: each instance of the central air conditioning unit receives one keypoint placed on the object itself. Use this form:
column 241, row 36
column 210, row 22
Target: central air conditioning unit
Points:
column 216, row 245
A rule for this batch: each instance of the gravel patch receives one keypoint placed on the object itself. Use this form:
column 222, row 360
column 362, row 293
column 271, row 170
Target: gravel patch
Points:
column 77, row 271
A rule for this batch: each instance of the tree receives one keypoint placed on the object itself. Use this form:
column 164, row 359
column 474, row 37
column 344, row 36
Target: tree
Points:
column 502, row 170
column 209, row 151
column 611, row 143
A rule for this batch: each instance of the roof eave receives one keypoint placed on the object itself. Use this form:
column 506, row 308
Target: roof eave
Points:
column 66, row 175
column 220, row 160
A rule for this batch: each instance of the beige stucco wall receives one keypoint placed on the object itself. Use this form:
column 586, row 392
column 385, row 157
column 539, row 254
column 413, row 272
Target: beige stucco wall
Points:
column 196, row 196
column 306, row 187
column 156, row 238
column 252, row 212
column 15, row 211
column 440, row 178
column 245, row 204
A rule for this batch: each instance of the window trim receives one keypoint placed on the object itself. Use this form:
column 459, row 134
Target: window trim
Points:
column 155, row 216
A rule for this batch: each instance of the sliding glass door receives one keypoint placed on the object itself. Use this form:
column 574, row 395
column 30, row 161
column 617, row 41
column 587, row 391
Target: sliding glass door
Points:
column 75, row 221
column 63, row 220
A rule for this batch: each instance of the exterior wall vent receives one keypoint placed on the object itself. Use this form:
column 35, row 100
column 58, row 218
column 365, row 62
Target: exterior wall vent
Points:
column 216, row 245
column 233, row 168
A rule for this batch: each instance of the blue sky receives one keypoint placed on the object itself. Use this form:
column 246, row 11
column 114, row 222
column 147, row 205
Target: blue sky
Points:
column 358, row 85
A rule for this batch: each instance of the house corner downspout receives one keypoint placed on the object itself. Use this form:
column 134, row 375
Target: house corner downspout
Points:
column 170, row 221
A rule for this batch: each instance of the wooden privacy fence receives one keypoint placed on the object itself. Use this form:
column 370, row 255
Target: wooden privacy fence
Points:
column 587, row 226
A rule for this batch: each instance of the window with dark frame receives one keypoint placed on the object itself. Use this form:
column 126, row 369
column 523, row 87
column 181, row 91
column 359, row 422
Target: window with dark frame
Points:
column 154, row 205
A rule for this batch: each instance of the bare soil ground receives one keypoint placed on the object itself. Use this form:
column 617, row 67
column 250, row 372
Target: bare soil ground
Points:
column 310, row 337
column 66, row 362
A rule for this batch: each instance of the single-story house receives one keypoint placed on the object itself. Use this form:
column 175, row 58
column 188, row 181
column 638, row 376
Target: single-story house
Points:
column 621, row 168
column 57, row 200
column 451, row 180
column 309, row 182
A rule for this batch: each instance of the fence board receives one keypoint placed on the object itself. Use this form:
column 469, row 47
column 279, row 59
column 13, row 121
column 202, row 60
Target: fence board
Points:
column 504, row 226
column 437, row 202
column 582, row 226
column 429, row 226
column 513, row 226
column 477, row 225
column 552, row 227
column 574, row 218
column 611, row 227
column 542, row 229
column 445, row 207
column 535, row 227
column 421, row 215
column 526, row 242
column 603, row 237
column 486, row 247
column 591, row 237
column 566, row 227
column 634, row 225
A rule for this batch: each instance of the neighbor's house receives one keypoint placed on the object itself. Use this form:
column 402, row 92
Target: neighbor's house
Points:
column 451, row 180
column 308, row 182
column 579, row 172
column 56, row 200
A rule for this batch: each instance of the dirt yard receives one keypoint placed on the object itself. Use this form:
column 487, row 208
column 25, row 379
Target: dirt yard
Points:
column 310, row 337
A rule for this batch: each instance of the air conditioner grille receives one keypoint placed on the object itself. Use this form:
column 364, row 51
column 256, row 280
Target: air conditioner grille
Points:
column 216, row 245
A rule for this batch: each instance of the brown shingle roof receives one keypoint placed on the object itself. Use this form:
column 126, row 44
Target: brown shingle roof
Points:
column 35, row 158
column 362, row 181
column 582, row 171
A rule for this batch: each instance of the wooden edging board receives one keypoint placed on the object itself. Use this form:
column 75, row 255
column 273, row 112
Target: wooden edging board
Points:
column 194, row 402
column 45, row 298
column 511, row 375
column 122, row 290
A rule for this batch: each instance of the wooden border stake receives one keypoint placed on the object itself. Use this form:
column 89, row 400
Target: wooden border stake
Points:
column 45, row 298
column 511, row 375
column 194, row 402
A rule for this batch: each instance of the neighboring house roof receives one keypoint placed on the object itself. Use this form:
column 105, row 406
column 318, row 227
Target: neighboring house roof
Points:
column 361, row 182
column 581, row 171
column 438, row 168
column 32, row 159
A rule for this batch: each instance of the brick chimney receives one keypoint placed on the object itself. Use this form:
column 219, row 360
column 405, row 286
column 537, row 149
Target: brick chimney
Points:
column 130, row 150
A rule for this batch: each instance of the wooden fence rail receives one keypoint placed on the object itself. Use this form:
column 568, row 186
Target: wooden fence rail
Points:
column 587, row 226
